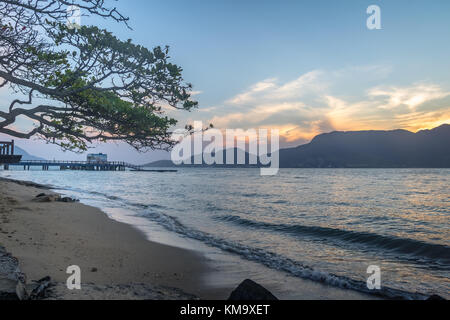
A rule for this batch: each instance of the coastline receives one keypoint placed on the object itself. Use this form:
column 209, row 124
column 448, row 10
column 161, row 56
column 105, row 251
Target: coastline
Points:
column 116, row 259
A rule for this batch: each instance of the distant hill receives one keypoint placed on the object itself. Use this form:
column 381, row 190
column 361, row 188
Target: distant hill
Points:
column 367, row 149
column 25, row 155
column 169, row 163
column 373, row 149
column 160, row 164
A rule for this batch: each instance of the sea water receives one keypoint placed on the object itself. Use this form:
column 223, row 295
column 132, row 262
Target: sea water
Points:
column 325, row 226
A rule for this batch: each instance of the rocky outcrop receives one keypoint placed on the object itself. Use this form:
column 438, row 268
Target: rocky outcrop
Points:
column 11, row 279
column 53, row 198
column 250, row 291
column 13, row 282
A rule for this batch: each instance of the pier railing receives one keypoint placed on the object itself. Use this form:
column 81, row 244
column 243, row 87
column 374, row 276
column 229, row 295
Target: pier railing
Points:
column 78, row 164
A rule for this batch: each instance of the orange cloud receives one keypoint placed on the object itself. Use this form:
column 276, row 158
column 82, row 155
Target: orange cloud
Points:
column 306, row 106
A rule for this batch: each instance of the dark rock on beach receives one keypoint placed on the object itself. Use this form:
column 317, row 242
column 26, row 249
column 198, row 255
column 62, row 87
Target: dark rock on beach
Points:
column 39, row 289
column 11, row 279
column 53, row 198
column 68, row 200
column 46, row 198
column 8, row 289
column 251, row 291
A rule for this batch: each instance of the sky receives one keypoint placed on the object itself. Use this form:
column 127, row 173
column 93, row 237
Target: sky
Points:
column 304, row 67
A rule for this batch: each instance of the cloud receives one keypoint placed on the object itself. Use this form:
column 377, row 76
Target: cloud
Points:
column 310, row 82
column 251, row 94
column 322, row 101
column 270, row 90
column 416, row 121
column 257, row 115
column 411, row 97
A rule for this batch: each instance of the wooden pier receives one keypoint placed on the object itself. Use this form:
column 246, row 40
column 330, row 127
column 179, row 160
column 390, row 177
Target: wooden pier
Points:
column 8, row 159
column 76, row 165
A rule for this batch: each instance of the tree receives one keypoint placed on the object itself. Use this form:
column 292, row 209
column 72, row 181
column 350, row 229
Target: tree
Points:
column 82, row 85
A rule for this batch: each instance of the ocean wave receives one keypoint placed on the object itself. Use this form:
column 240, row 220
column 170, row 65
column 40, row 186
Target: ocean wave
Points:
column 280, row 202
column 278, row 262
column 266, row 258
column 96, row 193
column 252, row 195
column 419, row 249
column 119, row 199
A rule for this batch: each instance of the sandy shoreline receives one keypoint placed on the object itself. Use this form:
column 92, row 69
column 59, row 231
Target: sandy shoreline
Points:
column 118, row 261
column 48, row 237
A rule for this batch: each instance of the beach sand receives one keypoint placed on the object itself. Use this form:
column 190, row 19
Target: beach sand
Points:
column 116, row 260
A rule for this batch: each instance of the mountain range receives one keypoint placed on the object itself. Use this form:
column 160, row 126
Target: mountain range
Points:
column 367, row 149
